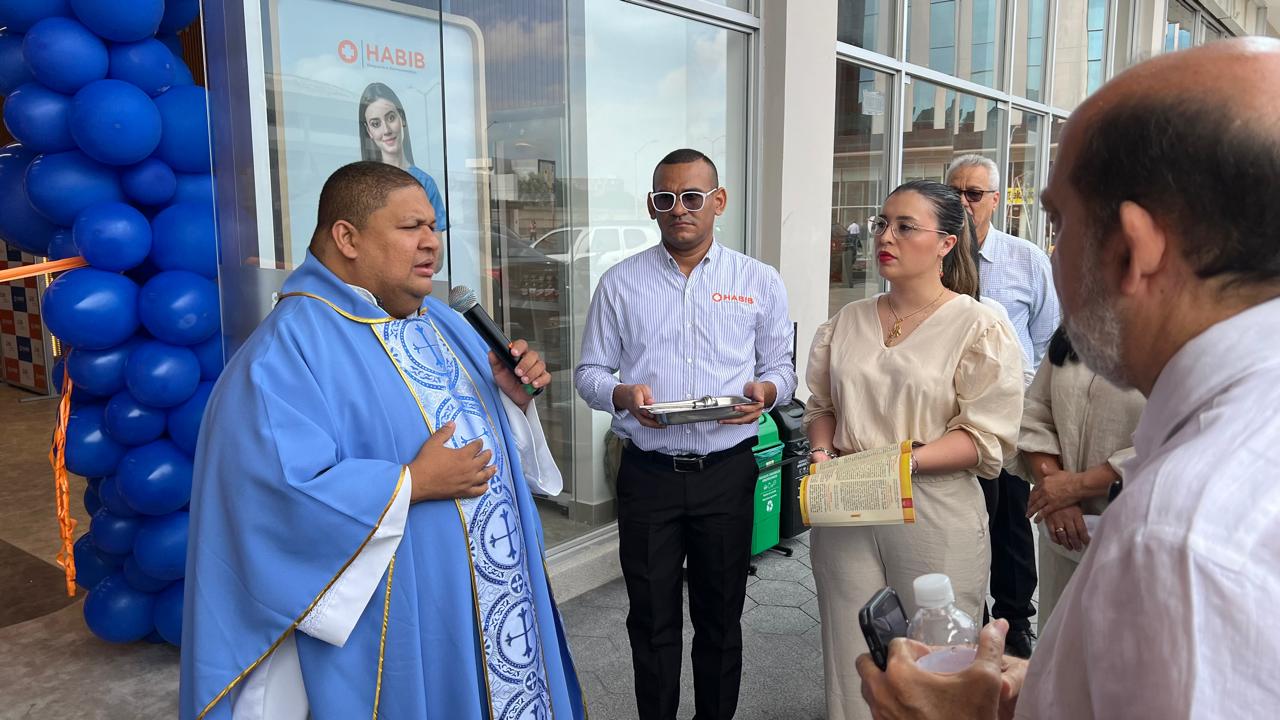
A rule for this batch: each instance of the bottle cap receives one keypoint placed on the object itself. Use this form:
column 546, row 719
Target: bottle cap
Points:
column 933, row 591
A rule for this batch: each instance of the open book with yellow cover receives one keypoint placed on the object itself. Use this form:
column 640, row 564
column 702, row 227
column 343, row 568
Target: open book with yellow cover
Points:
column 872, row 487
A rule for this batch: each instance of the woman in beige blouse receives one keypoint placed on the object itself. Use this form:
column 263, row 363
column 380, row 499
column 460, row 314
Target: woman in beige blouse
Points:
column 1077, row 432
column 924, row 363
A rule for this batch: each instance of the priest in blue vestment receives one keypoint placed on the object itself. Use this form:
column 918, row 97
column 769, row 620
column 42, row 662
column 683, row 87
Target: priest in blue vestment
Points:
column 364, row 540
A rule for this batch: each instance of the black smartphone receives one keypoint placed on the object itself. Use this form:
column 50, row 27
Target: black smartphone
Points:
column 882, row 619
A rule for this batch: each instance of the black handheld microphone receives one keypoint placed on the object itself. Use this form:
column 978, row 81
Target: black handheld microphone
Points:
column 463, row 300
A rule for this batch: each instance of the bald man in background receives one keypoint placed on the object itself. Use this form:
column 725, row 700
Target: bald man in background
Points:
column 1164, row 201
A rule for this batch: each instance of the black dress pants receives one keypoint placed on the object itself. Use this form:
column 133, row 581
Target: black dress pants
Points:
column 664, row 517
column 1013, row 554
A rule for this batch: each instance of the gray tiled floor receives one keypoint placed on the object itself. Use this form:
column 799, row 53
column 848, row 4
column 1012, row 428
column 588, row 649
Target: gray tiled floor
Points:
column 782, row 650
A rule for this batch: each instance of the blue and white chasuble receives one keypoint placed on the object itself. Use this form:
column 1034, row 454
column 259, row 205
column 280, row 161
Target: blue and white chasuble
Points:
column 301, row 478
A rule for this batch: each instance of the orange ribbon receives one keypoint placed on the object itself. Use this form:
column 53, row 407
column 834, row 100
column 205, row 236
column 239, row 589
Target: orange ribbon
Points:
column 62, row 485
column 52, row 266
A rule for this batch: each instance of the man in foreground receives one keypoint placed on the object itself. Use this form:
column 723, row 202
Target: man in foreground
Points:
column 363, row 537
column 1168, row 267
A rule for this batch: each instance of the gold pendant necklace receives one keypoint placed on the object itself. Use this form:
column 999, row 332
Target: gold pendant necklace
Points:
column 896, row 332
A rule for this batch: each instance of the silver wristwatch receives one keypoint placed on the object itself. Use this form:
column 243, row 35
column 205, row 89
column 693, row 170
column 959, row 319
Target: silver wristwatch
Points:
column 829, row 453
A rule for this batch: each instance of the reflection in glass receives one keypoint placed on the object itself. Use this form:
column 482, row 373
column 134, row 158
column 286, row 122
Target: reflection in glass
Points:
column 1080, row 50
column 860, row 179
column 867, row 24
column 956, row 38
column 1055, row 136
column 1180, row 25
column 1021, row 197
column 945, row 123
column 1032, row 21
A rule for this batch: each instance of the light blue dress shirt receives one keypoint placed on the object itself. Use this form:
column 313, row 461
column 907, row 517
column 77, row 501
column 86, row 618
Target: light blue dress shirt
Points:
column 1016, row 274
column 708, row 334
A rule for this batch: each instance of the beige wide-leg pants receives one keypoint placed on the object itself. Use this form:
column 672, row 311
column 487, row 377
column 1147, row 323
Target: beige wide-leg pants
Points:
column 851, row 563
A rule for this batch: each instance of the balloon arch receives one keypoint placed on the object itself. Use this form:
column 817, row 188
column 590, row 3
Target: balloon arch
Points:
column 112, row 165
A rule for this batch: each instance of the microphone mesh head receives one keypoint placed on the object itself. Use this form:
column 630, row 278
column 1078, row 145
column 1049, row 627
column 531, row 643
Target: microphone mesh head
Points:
column 462, row 298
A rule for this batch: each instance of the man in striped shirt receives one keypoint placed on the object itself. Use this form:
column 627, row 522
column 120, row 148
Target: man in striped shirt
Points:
column 686, row 319
column 1016, row 274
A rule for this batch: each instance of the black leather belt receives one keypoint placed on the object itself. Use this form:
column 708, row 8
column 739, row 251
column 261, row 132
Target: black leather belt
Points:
column 686, row 463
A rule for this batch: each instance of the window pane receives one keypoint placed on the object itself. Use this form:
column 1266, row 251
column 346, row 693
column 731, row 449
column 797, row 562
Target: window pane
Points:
column 1080, row 52
column 860, row 180
column 1032, row 22
column 1023, row 181
column 957, row 38
column 945, row 123
column 867, row 24
column 1179, row 23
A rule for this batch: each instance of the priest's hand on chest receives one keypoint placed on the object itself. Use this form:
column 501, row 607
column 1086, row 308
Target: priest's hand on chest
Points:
column 530, row 370
column 444, row 473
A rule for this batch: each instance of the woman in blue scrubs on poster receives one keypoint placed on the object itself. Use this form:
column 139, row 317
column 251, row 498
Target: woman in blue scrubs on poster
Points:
column 384, row 137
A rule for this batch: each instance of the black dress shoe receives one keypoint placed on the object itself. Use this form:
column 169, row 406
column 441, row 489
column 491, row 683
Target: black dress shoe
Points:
column 1020, row 642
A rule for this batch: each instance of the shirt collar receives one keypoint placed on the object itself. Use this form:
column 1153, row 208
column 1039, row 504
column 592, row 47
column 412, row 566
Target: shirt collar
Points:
column 368, row 296
column 1203, row 368
column 991, row 246
column 708, row 259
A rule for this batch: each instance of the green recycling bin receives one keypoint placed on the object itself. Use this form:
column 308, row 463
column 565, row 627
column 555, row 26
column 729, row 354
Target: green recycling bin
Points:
column 768, row 500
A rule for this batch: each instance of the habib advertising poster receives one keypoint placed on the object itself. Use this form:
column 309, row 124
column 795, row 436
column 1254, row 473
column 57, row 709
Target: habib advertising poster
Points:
column 365, row 80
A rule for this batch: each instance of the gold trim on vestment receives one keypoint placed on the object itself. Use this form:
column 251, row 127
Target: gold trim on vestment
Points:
column 245, row 673
column 340, row 311
column 382, row 643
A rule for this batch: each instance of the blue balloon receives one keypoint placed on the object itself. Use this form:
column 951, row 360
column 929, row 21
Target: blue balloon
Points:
column 22, row 15
column 179, row 307
column 13, row 67
column 194, row 188
column 90, row 451
column 155, row 478
column 209, row 353
column 114, row 122
column 92, row 565
column 129, row 422
column 20, row 224
column 173, row 42
column 148, row 64
column 100, row 372
column 178, row 14
column 168, row 617
column 150, row 182
column 184, row 420
column 184, row 140
column 92, row 503
column 59, row 369
column 140, row 580
column 94, row 483
column 118, row 612
column 183, row 238
column 91, row 309
column 161, row 545
column 162, row 375
column 64, row 55
column 39, row 118
column 112, row 500
column 112, row 533
column 182, row 72
column 62, row 245
column 112, row 236
column 120, row 21
column 61, row 185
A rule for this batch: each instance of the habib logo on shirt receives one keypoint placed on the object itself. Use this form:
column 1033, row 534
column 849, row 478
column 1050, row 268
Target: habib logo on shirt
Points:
column 731, row 298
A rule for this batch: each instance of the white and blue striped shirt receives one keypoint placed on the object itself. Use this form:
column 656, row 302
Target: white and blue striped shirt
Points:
column 1016, row 274
column 708, row 334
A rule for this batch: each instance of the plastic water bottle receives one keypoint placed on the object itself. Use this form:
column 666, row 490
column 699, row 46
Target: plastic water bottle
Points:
column 941, row 625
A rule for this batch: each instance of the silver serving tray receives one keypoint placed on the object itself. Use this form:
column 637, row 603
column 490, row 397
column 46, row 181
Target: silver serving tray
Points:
column 702, row 410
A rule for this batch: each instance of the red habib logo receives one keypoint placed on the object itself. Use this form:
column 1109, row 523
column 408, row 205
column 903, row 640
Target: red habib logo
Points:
column 730, row 297
column 376, row 55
